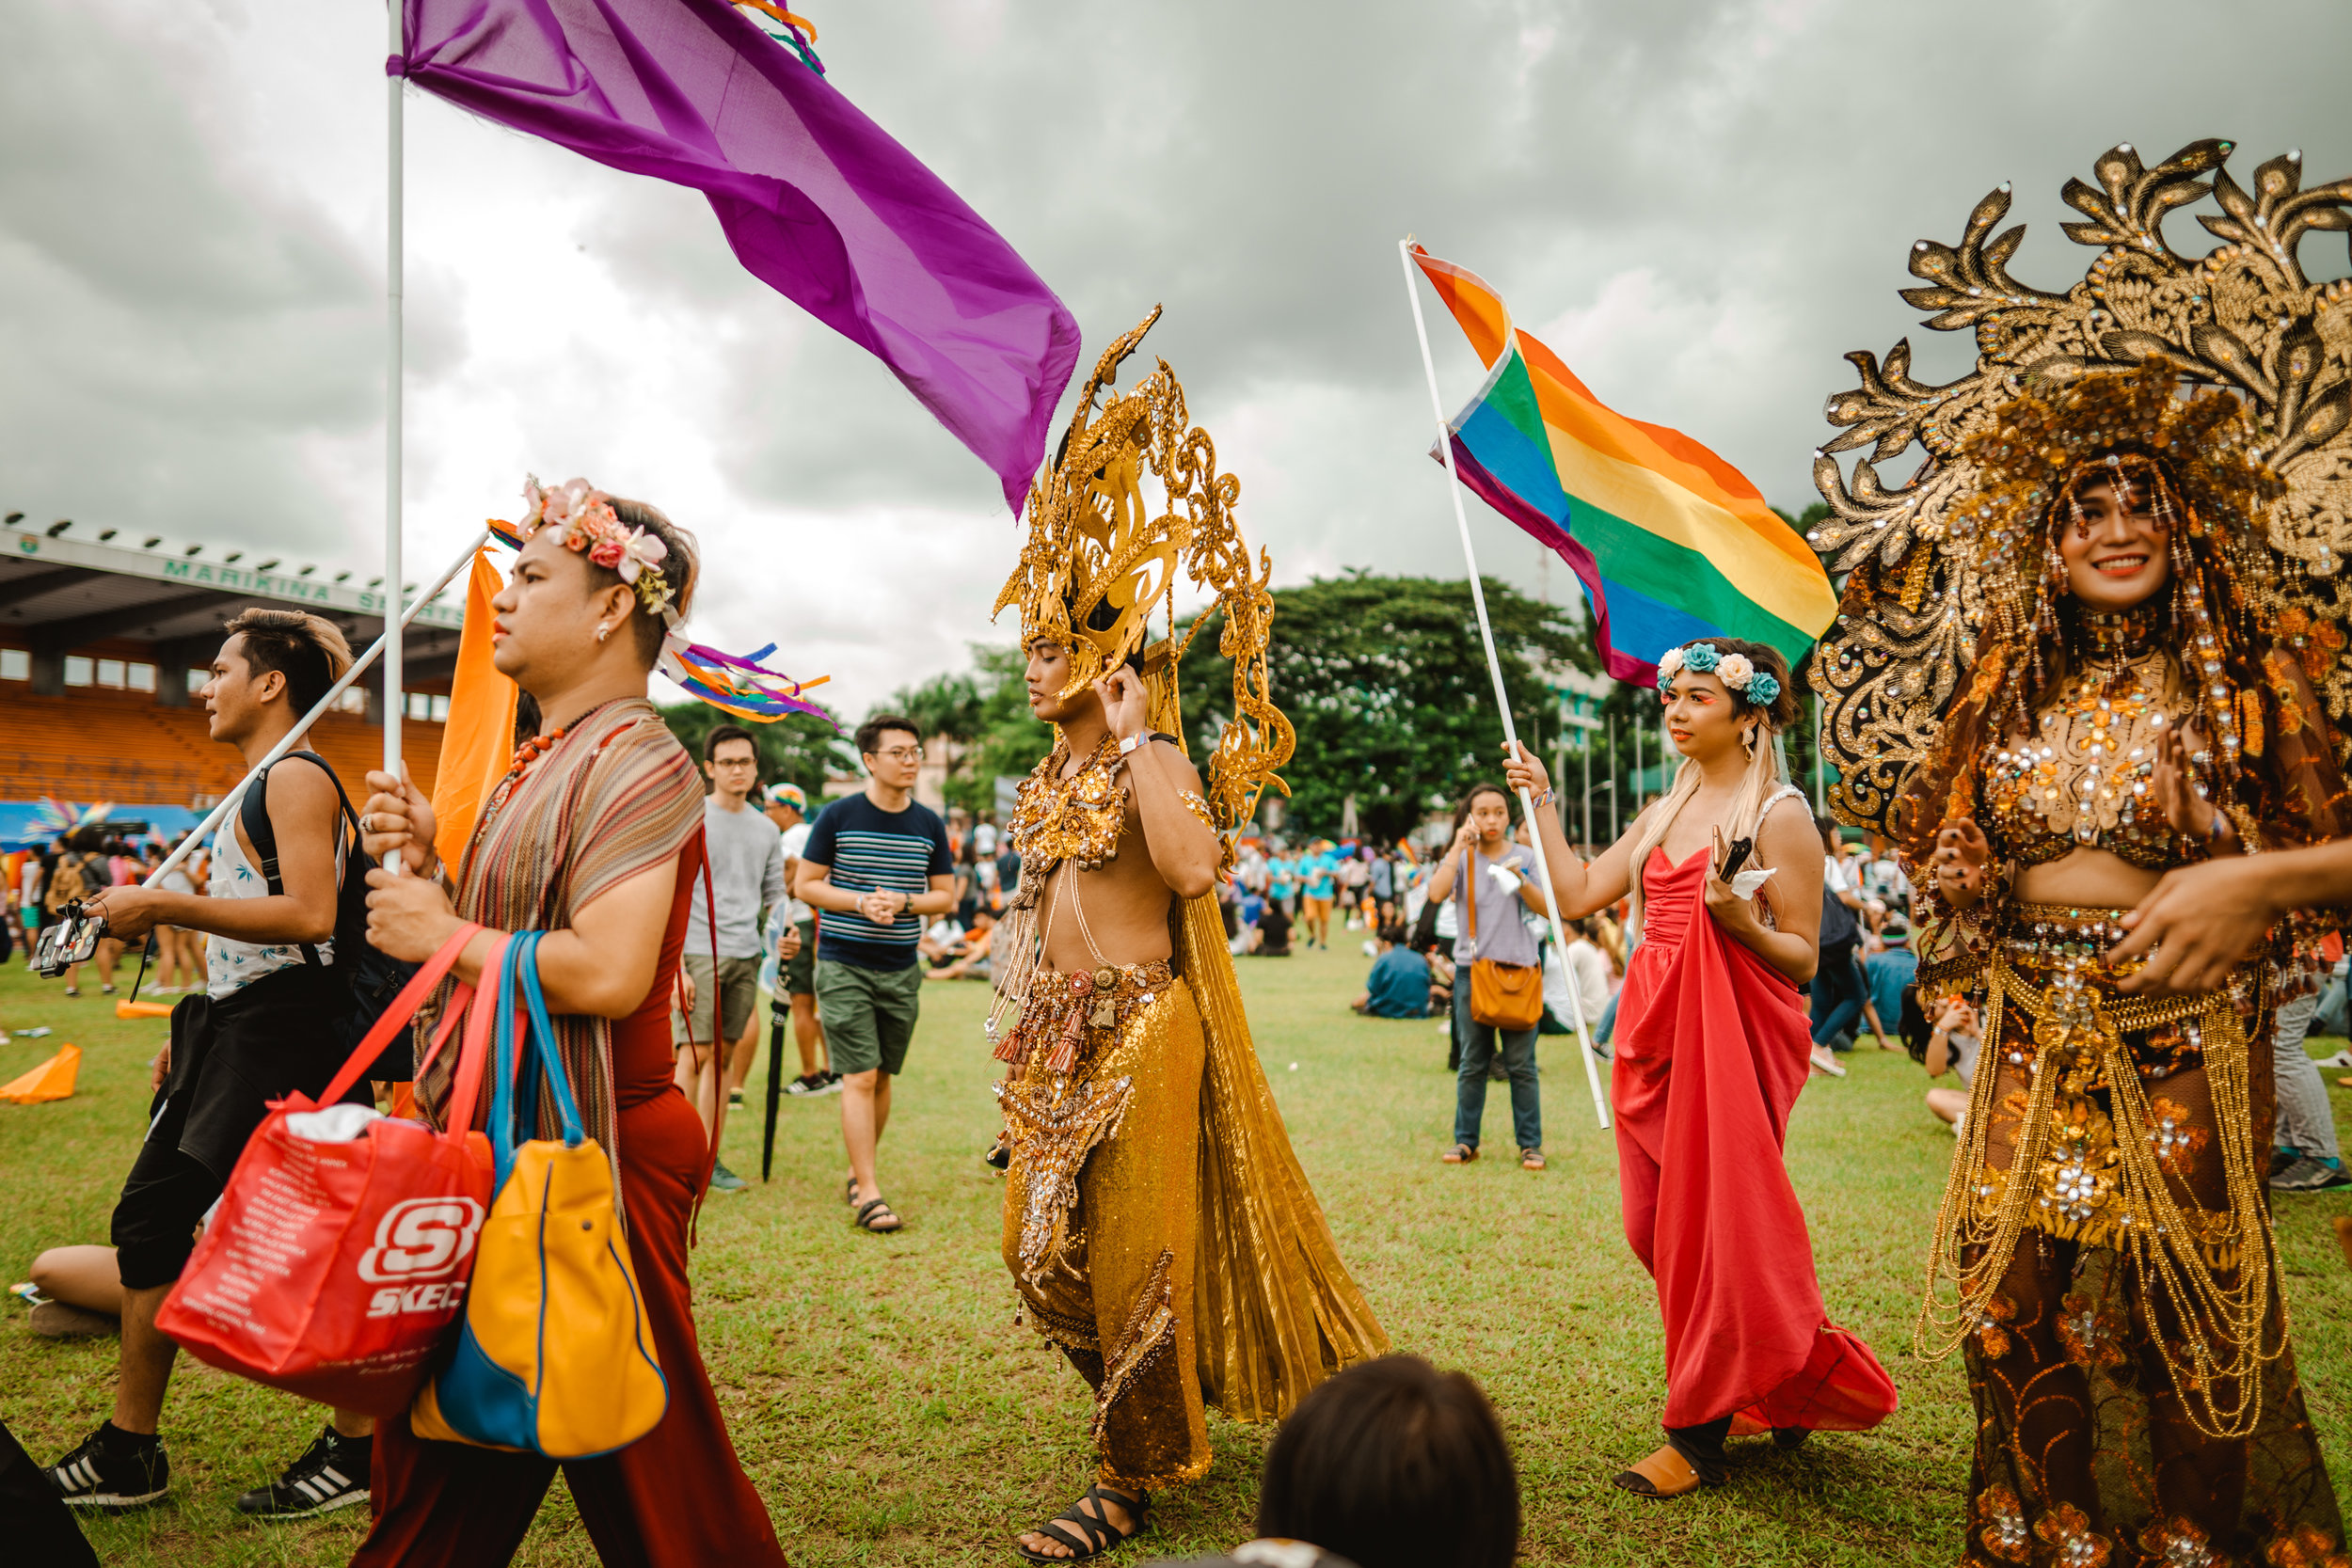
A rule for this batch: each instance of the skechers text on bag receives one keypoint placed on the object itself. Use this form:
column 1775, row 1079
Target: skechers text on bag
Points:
column 555, row 1356
column 339, row 1254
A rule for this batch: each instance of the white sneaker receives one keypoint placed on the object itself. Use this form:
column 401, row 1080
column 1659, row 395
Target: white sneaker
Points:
column 1826, row 1063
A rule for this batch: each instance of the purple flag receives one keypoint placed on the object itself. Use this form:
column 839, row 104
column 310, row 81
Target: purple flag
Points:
column 817, row 200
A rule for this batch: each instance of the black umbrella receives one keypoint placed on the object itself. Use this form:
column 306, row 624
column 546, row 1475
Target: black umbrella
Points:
column 778, row 1013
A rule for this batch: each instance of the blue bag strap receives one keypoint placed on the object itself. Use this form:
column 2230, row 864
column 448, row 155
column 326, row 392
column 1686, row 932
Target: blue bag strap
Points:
column 503, row 1064
column 522, row 1061
column 551, row 1057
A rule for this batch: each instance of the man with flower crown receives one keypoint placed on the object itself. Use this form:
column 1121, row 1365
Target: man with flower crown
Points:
column 1159, row 1231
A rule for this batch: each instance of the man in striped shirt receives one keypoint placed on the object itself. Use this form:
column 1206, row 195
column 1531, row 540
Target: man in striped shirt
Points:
column 875, row 863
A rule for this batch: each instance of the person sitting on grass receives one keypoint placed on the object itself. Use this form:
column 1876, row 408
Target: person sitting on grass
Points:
column 1953, row 1041
column 1399, row 984
column 1392, row 1464
column 941, row 943
column 1884, row 974
column 76, row 1292
column 1273, row 932
column 972, row 963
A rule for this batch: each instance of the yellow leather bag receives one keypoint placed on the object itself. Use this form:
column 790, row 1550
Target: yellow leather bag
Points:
column 554, row 1356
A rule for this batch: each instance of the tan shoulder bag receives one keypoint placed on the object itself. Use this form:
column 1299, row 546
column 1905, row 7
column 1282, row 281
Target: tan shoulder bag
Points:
column 1504, row 996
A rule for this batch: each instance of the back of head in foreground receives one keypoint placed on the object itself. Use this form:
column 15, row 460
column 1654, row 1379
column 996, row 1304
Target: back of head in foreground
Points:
column 1391, row 1464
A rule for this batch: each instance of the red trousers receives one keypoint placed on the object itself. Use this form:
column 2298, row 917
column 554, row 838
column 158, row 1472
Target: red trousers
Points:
column 677, row 1498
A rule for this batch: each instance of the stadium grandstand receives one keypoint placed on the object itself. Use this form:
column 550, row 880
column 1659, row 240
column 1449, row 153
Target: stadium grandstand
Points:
column 104, row 640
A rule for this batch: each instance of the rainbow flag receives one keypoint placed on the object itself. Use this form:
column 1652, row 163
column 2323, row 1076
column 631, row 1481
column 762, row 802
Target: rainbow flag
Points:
column 1669, row 540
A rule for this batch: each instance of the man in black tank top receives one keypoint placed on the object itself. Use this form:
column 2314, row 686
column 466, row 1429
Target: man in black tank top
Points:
column 260, row 1031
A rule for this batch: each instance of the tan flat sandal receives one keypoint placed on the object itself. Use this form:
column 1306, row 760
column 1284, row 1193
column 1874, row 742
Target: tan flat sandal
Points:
column 1663, row 1474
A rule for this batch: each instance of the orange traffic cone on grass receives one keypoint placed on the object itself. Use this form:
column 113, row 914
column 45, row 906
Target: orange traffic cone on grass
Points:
column 52, row 1080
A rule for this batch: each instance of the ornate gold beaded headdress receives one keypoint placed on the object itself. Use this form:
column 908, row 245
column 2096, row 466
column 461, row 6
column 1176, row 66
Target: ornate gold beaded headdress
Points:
column 2263, row 478
column 1099, row 559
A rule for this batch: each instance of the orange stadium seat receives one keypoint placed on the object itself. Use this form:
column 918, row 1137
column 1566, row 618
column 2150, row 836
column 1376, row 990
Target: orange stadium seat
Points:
column 122, row 746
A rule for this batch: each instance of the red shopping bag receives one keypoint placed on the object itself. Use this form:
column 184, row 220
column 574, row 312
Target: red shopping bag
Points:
column 339, row 1256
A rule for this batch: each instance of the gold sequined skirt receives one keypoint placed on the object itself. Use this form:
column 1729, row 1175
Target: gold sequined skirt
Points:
column 1101, row 1209
column 2108, row 1229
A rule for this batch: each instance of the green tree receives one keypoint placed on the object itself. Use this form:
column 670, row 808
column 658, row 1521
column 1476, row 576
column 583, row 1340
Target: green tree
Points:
column 796, row 748
column 1386, row 681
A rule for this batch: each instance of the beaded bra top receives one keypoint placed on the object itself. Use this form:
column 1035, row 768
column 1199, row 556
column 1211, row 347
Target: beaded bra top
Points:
column 1077, row 818
column 2087, row 780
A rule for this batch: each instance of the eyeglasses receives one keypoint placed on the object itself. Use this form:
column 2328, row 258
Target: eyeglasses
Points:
column 900, row 753
column 737, row 762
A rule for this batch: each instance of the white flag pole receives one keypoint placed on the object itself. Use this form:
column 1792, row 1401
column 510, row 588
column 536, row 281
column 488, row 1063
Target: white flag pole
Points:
column 1503, row 698
column 394, row 287
column 358, row 667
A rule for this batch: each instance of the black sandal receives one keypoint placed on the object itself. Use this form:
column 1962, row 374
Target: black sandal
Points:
column 1100, row 1538
column 866, row 1216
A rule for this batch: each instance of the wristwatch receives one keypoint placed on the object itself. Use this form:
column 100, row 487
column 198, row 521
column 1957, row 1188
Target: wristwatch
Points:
column 1127, row 745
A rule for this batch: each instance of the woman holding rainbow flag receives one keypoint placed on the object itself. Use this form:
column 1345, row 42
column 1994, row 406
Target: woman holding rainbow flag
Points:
column 1711, row 1050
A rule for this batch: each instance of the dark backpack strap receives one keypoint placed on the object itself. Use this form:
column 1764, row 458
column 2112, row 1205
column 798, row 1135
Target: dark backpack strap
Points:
column 253, row 814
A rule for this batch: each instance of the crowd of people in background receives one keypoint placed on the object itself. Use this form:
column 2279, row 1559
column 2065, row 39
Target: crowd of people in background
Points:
column 43, row 881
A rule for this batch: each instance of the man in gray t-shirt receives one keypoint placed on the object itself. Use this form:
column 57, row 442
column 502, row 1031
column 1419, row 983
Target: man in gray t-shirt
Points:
column 746, row 859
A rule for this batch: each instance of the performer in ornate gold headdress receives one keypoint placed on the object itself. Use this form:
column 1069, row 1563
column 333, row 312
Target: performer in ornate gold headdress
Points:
column 1157, row 1225
column 2137, row 577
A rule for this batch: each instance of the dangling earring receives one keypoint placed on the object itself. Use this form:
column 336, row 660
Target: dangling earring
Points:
column 604, row 631
column 1747, row 741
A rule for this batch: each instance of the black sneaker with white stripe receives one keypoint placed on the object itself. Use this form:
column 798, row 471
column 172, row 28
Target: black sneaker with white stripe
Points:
column 113, row 1471
column 332, row 1473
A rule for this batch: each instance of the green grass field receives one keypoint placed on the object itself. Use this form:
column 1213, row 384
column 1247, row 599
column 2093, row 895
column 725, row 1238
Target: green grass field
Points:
column 891, row 1413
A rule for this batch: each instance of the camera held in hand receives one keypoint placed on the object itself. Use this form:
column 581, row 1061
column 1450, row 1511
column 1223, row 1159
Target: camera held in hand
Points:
column 73, row 940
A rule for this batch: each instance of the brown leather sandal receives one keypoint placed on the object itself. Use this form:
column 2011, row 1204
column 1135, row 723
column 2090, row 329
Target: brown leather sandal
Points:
column 1663, row 1474
column 1460, row 1155
column 1531, row 1158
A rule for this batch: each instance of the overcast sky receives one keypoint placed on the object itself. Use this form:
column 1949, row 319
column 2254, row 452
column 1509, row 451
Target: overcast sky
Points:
column 1699, row 206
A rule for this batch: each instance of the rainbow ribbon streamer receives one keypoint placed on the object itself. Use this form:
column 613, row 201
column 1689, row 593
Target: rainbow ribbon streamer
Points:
column 741, row 686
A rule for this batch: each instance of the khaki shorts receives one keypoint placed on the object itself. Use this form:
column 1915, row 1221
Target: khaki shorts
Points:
column 799, row 975
column 736, row 989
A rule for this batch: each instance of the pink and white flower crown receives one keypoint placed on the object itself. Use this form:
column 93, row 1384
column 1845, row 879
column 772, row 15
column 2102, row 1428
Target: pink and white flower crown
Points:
column 587, row 524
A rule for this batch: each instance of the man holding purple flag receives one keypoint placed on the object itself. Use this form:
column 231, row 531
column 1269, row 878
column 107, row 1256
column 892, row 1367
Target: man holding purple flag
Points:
column 817, row 200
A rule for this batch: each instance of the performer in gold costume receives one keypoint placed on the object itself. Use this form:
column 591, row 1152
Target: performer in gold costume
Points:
column 1157, row 1225
column 2095, row 637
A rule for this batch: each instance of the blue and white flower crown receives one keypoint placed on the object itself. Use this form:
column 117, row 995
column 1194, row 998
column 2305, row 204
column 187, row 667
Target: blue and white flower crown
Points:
column 1738, row 672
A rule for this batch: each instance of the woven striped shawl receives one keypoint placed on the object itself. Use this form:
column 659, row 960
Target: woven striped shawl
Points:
column 617, row 796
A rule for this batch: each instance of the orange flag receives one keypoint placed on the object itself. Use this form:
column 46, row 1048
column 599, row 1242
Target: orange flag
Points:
column 52, row 1080
column 478, row 744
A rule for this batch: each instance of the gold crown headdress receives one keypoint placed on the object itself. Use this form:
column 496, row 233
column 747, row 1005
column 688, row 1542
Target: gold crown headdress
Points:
column 2268, row 471
column 1099, row 559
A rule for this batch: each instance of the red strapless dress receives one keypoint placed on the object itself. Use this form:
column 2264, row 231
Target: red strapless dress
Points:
column 1711, row 1047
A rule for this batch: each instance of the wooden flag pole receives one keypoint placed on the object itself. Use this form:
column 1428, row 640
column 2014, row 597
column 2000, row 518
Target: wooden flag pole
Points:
column 1502, row 697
